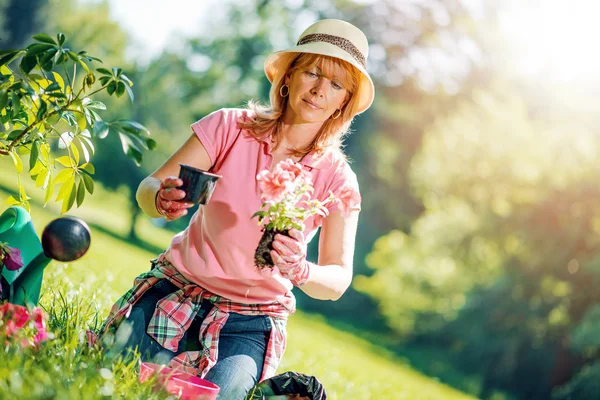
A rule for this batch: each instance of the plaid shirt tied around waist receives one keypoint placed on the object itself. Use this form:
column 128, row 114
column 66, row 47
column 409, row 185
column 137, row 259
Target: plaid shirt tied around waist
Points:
column 174, row 314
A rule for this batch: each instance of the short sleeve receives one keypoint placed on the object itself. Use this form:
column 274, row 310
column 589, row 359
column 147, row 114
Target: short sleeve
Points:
column 345, row 187
column 217, row 132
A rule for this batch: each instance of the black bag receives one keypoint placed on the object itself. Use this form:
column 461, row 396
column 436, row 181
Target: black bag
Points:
column 288, row 384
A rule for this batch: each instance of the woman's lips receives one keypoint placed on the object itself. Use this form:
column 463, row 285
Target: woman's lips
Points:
column 312, row 105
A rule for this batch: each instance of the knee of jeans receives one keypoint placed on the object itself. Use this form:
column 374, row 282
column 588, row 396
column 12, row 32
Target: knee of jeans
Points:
column 129, row 332
column 235, row 376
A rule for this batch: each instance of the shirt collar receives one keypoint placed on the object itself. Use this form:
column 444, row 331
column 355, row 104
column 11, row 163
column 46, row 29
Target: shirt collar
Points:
column 310, row 160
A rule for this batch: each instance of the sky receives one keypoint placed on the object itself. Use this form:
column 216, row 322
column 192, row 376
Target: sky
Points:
column 546, row 37
column 155, row 24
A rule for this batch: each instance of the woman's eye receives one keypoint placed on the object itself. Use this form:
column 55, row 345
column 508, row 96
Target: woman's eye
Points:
column 311, row 74
column 336, row 86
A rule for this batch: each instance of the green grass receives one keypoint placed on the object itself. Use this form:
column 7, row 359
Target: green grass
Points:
column 73, row 293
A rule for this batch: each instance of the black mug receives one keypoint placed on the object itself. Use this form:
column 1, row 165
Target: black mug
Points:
column 197, row 184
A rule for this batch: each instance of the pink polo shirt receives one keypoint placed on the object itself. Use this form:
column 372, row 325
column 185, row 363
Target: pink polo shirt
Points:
column 216, row 250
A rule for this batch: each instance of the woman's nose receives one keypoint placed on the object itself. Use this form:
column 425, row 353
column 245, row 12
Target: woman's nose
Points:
column 319, row 88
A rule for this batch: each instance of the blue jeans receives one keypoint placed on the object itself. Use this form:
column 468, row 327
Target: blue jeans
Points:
column 242, row 343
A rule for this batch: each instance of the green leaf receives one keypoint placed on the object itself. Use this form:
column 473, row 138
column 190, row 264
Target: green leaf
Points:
column 126, row 79
column 69, row 201
column 40, row 180
column 111, row 87
column 125, row 142
column 66, row 189
column 131, row 127
column 33, row 157
column 89, row 143
column 89, row 183
column 28, row 63
column 97, row 105
column 105, row 79
column 64, row 175
column 84, row 65
column 38, row 48
column 135, row 155
column 52, row 87
column 41, row 113
column 59, row 80
column 42, row 37
column 100, row 129
column 86, row 154
column 117, row 72
column 151, row 144
column 11, row 201
column 73, row 56
column 16, row 104
column 259, row 214
column 49, row 190
column 89, row 168
column 104, row 71
column 17, row 161
column 3, row 98
column 48, row 66
column 75, row 152
column 88, row 116
column 130, row 93
column 80, row 193
column 120, row 89
column 95, row 115
column 70, row 118
column 66, row 161
column 9, row 56
column 61, row 38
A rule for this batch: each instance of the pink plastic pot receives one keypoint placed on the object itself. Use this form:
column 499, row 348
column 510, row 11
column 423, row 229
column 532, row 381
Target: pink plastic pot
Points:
column 186, row 386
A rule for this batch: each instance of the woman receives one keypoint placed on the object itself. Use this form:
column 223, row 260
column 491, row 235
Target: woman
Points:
column 204, row 306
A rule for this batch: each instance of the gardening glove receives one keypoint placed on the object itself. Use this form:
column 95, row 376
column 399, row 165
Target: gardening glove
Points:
column 167, row 199
column 289, row 256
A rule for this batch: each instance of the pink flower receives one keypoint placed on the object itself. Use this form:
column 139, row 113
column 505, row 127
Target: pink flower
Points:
column 12, row 258
column 38, row 318
column 16, row 317
column 275, row 184
column 348, row 198
column 295, row 170
column 41, row 336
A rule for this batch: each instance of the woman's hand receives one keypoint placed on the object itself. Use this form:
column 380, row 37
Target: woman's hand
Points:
column 167, row 199
column 289, row 256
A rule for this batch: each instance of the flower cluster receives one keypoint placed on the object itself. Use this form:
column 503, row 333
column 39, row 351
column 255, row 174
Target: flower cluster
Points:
column 286, row 193
column 22, row 326
column 286, row 197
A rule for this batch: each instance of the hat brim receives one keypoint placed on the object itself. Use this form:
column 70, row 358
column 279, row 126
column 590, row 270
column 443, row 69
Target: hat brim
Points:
column 278, row 63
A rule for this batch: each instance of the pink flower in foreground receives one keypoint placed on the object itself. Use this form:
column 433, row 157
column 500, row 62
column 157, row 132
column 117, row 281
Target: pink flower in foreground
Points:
column 12, row 258
column 348, row 198
column 275, row 184
column 295, row 170
column 15, row 318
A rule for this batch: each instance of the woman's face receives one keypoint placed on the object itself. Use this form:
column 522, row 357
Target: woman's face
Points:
column 313, row 95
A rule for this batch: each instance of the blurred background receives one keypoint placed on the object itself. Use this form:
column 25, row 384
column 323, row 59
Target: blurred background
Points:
column 478, row 250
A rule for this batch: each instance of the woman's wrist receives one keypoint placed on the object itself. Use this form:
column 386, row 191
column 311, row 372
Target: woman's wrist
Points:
column 146, row 196
column 301, row 274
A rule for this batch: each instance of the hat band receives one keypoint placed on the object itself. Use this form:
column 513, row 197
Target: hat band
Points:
column 338, row 41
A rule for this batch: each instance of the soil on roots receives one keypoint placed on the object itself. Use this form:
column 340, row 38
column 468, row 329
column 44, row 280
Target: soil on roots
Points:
column 262, row 256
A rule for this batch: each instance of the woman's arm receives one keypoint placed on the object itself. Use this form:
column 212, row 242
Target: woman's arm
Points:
column 329, row 279
column 191, row 153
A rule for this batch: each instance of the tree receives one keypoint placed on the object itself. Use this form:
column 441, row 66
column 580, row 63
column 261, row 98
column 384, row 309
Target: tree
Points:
column 503, row 262
column 39, row 106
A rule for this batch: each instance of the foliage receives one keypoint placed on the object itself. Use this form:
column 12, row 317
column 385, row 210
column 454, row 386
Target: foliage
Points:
column 502, row 264
column 40, row 108
column 78, row 295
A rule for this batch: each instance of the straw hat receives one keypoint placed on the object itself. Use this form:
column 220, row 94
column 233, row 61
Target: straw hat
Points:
column 329, row 37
